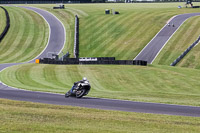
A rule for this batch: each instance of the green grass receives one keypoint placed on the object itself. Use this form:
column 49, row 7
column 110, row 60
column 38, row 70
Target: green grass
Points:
column 2, row 20
column 26, row 38
column 151, row 84
column 122, row 36
column 29, row 117
column 182, row 39
column 192, row 59
column 67, row 18
column 161, row 84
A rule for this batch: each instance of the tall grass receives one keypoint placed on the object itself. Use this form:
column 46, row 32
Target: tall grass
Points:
column 160, row 84
column 26, row 38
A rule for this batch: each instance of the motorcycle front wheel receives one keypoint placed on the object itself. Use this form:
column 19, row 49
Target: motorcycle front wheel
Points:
column 80, row 93
column 67, row 94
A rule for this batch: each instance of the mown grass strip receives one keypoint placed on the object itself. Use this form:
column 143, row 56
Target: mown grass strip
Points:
column 26, row 38
column 67, row 18
column 182, row 39
column 160, row 84
column 122, row 36
column 20, row 117
column 2, row 20
column 191, row 60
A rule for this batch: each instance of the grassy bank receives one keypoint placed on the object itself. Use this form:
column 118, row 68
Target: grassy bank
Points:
column 160, row 84
column 192, row 59
column 122, row 36
column 67, row 18
column 26, row 38
column 182, row 39
column 33, row 117
column 2, row 20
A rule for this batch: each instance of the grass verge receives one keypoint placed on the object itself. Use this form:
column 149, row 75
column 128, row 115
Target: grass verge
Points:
column 26, row 38
column 24, row 117
column 2, row 20
column 122, row 36
column 161, row 84
column 67, row 18
column 182, row 39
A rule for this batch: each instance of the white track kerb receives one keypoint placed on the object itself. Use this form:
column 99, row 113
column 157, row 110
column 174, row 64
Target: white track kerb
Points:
column 149, row 42
column 170, row 37
column 110, row 103
column 171, row 19
column 48, row 38
column 50, row 32
column 12, row 64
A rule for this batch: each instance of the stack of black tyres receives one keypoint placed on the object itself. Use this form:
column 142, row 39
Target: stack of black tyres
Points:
column 7, row 24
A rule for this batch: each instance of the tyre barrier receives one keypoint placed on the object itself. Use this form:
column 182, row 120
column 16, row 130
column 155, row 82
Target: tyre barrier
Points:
column 7, row 24
column 53, row 61
column 140, row 62
column 59, row 7
column 108, row 62
column 99, row 61
column 185, row 53
column 76, row 37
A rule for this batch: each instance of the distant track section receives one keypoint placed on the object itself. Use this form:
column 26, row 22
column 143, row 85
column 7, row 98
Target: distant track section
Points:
column 153, row 48
column 57, row 33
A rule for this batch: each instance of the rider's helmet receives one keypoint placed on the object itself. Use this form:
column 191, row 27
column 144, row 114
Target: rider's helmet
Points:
column 84, row 79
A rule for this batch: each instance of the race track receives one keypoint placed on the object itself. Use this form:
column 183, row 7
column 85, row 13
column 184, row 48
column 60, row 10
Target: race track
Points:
column 106, row 104
column 153, row 48
column 55, row 44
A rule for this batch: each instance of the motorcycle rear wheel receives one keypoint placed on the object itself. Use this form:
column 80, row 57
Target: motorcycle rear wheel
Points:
column 80, row 93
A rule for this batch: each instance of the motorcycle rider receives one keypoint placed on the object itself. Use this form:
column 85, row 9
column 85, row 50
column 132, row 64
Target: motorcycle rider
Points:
column 84, row 80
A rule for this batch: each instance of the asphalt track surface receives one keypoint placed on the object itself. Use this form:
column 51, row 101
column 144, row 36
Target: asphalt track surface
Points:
column 57, row 33
column 153, row 48
column 55, row 44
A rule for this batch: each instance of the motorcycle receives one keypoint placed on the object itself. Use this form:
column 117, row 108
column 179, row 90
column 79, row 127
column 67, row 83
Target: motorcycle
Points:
column 79, row 90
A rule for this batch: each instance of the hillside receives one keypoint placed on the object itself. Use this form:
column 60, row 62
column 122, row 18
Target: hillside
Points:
column 2, row 20
column 123, row 35
column 26, row 38
column 135, row 25
column 182, row 39
column 161, row 84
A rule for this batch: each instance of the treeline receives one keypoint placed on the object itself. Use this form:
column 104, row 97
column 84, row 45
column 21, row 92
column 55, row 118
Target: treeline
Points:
column 82, row 1
column 134, row 1
column 42, row 1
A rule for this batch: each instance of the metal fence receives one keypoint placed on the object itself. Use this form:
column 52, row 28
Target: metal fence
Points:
column 76, row 37
column 185, row 52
